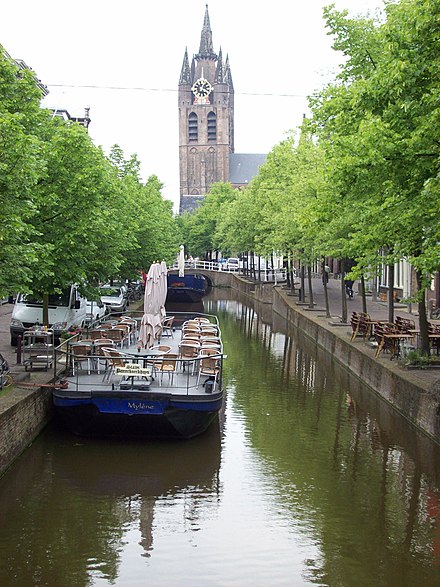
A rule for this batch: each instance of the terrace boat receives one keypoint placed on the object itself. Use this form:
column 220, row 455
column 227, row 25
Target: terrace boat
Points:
column 172, row 390
column 189, row 288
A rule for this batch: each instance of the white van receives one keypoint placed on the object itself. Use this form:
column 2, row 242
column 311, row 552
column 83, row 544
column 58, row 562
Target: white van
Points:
column 66, row 309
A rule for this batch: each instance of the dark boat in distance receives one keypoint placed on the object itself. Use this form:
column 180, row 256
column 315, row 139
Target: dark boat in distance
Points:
column 190, row 288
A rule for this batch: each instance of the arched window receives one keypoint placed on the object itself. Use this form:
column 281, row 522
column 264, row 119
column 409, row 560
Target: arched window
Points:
column 212, row 126
column 193, row 130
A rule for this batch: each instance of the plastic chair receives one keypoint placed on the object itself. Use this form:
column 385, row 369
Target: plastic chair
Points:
column 81, row 353
column 116, row 335
column 133, row 328
column 188, row 352
column 208, row 365
column 114, row 359
column 164, row 349
column 167, row 364
column 167, row 326
column 125, row 329
column 98, row 352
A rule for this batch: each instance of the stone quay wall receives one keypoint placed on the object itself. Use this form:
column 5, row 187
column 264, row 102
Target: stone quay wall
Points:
column 415, row 397
column 23, row 416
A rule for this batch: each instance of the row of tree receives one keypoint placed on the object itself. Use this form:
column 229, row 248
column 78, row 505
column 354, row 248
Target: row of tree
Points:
column 361, row 180
column 69, row 213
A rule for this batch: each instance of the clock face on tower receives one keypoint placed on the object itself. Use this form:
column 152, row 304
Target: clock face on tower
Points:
column 201, row 90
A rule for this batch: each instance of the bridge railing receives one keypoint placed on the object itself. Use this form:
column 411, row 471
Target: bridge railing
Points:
column 272, row 275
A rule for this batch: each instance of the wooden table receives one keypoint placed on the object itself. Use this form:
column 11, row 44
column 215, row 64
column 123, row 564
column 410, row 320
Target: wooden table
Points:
column 394, row 338
column 432, row 337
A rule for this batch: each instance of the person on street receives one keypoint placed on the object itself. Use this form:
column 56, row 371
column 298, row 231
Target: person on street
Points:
column 349, row 287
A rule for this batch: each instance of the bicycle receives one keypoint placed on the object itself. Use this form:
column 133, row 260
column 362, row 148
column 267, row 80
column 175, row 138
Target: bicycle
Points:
column 5, row 376
column 435, row 314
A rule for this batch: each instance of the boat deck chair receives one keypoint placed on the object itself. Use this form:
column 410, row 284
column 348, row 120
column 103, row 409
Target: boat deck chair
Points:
column 209, row 365
column 115, row 358
column 166, row 364
column 167, row 326
column 81, row 354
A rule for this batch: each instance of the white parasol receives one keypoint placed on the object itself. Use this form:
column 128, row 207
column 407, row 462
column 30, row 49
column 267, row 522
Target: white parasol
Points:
column 181, row 261
column 154, row 304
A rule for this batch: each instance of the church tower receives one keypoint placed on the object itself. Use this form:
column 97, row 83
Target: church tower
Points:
column 206, row 121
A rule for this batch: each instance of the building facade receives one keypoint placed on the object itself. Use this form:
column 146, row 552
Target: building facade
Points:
column 206, row 120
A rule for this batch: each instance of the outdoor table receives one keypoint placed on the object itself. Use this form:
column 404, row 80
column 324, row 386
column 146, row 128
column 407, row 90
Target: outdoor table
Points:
column 432, row 337
column 394, row 338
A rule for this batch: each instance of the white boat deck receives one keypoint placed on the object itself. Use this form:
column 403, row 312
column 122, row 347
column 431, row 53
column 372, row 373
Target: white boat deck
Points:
column 142, row 372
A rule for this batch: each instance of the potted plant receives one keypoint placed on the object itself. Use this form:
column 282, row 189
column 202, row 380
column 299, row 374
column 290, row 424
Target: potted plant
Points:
column 72, row 331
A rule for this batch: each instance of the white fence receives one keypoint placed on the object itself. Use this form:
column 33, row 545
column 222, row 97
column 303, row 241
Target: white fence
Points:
column 273, row 275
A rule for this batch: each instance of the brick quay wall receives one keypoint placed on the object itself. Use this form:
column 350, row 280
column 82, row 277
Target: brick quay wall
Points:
column 415, row 394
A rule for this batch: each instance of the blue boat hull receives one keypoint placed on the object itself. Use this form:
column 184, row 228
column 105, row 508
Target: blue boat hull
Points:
column 137, row 416
column 190, row 288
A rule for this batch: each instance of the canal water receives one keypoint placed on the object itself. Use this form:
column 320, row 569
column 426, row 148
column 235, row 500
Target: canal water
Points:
column 308, row 479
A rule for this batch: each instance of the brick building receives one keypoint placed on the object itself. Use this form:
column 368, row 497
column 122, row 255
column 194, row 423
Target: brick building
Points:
column 206, row 125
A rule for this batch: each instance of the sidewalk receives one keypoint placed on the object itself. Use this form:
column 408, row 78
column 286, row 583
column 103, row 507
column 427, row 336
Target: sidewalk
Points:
column 377, row 310
column 426, row 379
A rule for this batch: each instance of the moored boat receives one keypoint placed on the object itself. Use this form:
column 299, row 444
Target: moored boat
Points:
column 187, row 288
column 172, row 390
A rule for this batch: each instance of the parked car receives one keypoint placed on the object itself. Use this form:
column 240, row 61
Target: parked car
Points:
column 96, row 309
column 114, row 297
column 66, row 308
column 233, row 264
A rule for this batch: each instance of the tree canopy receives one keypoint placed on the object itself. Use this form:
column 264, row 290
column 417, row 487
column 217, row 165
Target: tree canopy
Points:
column 69, row 212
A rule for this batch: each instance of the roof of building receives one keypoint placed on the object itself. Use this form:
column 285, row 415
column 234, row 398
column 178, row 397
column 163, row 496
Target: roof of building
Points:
column 243, row 167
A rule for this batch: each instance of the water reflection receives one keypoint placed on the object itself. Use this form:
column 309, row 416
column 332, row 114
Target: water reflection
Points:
column 354, row 473
column 310, row 480
column 68, row 506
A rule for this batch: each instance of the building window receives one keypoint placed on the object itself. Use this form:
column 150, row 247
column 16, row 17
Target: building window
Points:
column 212, row 126
column 193, row 131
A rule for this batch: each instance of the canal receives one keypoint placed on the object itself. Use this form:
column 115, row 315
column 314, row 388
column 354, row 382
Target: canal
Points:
column 308, row 479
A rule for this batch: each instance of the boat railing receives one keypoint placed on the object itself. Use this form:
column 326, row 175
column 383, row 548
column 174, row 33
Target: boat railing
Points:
column 187, row 377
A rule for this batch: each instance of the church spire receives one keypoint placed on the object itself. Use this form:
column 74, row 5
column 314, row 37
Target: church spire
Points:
column 206, row 49
column 219, row 71
column 185, row 74
column 228, row 75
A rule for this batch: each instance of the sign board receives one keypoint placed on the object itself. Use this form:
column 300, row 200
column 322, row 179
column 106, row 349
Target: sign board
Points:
column 133, row 370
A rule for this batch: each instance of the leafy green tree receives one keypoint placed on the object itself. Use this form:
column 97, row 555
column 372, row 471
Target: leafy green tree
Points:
column 200, row 226
column 21, row 167
column 374, row 123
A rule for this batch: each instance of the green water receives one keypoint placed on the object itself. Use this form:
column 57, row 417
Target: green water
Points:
column 309, row 479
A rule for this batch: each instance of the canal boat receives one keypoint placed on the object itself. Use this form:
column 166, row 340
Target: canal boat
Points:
column 189, row 288
column 113, row 387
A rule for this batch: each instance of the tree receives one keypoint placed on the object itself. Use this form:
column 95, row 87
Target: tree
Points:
column 21, row 167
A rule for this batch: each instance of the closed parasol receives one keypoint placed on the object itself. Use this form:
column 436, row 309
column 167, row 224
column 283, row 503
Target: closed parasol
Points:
column 181, row 261
column 154, row 304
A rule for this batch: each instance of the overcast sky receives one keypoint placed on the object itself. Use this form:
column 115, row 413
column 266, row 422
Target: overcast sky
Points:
column 279, row 54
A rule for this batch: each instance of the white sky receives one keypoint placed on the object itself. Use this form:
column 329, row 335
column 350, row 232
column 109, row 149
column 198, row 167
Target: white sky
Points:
column 279, row 53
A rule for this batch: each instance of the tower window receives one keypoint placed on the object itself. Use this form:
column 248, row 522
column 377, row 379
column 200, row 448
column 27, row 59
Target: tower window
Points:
column 193, row 131
column 212, row 126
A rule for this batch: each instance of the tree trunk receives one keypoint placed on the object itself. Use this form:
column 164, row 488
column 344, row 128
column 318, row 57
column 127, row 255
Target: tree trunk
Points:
column 423, row 320
column 364, row 297
column 324, row 281
column 46, row 309
column 343, row 294
column 309, row 276
column 391, row 293
column 302, row 296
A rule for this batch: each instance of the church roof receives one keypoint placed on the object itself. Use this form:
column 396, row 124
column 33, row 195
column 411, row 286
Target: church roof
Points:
column 243, row 167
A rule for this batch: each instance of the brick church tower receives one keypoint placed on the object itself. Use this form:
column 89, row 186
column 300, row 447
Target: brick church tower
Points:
column 206, row 121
